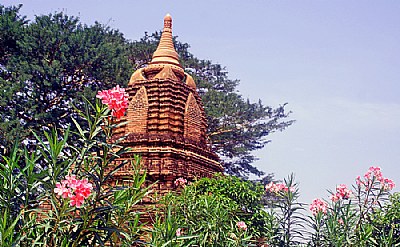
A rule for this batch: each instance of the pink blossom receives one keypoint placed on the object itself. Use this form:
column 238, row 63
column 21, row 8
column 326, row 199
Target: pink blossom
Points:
column 358, row 181
column 84, row 188
column 282, row 187
column 62, row 191
column 340, row 221
column 388, row 184
column 241, row 225
column 374, row 172
column 76, row 200
column 71, row 181
column 270, row 187
column 74, row 189
column 374, row 177
column 343, row 192
column 179, row 232
column 180, row 182
column 318, row 206
column 335, row 198
column 116, row 99
column 276, row 188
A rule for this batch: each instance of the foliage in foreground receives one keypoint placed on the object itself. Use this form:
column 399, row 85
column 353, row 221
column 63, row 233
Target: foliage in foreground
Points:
column 79, row 204
column 359, row 217
column 85, row 209
column 208, row 211
column 221, row 211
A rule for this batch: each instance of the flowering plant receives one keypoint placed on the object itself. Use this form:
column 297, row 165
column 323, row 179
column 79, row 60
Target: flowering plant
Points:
column 287, row 210
column 74, row 189
column 348, row 218
column 241, row 225
column 116, row 99
column 211, row 212
column 80, row 206
column 278, row 187
column 318, row 206
column 180, row 182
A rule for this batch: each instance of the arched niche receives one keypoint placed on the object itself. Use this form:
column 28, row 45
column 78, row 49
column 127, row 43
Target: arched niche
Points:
column 192, row 119
column 138, row 111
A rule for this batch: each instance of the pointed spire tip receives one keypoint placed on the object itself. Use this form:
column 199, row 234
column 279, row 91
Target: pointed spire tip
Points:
column 167, row 22
column 165, row 52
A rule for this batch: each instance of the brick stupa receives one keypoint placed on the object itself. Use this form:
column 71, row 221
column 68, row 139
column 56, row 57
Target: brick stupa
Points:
column 166, row 122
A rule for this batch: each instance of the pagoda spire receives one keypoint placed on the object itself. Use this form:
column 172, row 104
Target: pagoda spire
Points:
column 166, row 53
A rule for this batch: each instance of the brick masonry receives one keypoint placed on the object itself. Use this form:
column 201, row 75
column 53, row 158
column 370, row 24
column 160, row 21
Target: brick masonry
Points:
column 166, row 122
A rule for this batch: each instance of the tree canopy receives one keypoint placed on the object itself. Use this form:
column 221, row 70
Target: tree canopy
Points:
column 48, row 64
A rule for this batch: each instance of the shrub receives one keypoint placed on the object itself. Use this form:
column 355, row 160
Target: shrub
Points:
column 359, row 217
column 219, row 211
column 61, row 194
column 84, row 207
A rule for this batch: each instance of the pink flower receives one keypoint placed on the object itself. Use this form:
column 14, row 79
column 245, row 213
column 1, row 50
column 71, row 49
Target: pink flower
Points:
column 335, row 198
column 358, row 181
column 374, row 178
column 388, row 184
column 318, row 206
column 343, row 192
column 62, row 191
column 179, row 232
column 340, row 221
column 71, row 181
column 116, row 99
column 276, row 188
column 74, row 189
column 84, row 188
column 180, row 182
column 270, row 187
column 282, row 187
column 241, row 225
column 374, row 171
column 76, row 200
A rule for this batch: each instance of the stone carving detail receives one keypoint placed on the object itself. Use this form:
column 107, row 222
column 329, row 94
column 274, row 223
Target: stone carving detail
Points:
column 167, row 74
column 189, row 81
column 193, row 126
column 137, row 76
column 138, row 111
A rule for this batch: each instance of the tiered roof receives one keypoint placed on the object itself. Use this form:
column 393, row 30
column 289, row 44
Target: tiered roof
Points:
column 166, row 122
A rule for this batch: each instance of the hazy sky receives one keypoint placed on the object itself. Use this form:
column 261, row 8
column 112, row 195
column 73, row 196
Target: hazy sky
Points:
column 336, row 64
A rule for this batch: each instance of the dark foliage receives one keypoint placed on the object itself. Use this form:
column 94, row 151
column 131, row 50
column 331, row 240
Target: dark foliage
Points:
column 48, row 64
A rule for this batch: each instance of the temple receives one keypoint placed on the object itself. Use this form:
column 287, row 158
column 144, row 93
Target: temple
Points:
column 166, row 122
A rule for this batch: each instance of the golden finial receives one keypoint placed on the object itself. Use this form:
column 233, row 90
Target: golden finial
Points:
column 168, row 22
column 166, row 53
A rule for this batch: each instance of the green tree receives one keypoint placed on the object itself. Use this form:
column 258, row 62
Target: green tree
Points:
column 11, row 31
column 48, row 64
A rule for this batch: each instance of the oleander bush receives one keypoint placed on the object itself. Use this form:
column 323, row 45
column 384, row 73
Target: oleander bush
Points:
column 357, row 217
column 60, row 194
column 220, row 211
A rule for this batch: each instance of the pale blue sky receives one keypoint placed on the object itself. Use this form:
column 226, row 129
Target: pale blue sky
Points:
column 337, row 64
